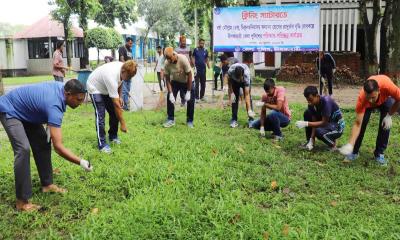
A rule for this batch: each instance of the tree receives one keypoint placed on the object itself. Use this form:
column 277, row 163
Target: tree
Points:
column 62, row 14
column 370, row 31
column 163, row 16
column 385, row 35
column 103, row 38
column 110, row 10
column 394, row 39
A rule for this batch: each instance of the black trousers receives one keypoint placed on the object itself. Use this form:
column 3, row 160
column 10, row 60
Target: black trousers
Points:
column 23, row 137
column 200, row 80
column 182, row 88
column 216, row 75
column 160, row 80
column 383, row 135
column 101, row 103
column 329, row 77
column 236, row 86
column 328, row 134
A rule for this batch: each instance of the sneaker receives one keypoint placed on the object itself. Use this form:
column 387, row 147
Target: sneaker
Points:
column 197, row 100
column 169, row 123
column 203, row 99
column 234, row 124
column 190, row 124
column 381, row 160
column 350, row 158
column 115, row 141
column 106, row 149
column 277, row 138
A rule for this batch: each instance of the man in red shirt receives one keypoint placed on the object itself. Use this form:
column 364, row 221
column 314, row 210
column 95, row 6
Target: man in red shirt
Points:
column 379, row 92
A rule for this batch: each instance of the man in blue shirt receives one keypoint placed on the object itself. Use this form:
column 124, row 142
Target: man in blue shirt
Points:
column 200, row 59
column 22, row 113
column 323, row 119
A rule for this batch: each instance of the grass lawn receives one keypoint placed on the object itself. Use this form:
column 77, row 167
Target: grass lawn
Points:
column 210, row 182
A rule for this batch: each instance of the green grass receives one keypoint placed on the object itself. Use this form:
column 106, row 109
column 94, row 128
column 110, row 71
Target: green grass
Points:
column 210, row 182
column 31, row 79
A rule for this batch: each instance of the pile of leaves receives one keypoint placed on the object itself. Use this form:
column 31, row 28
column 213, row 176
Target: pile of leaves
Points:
column 308, row 73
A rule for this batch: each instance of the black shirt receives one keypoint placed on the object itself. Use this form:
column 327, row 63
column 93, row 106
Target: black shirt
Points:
column 126, row 52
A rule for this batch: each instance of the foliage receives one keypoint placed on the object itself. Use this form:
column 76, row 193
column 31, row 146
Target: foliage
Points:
column 7, row 29
column 211, row 182
column 110, row 10
column 103, row 38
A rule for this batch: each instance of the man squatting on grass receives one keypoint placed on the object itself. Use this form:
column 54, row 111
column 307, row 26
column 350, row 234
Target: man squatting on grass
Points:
column 323, row 119
column 239, row 77
column 275, row 100
column 379, row 93
column 179, row 78
column 105, row 88
column 22, row 113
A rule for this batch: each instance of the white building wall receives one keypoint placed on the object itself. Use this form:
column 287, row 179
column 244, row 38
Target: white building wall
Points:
column 19, row 54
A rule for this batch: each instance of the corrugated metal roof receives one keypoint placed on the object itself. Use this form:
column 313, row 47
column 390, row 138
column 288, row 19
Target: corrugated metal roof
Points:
column 46, row 27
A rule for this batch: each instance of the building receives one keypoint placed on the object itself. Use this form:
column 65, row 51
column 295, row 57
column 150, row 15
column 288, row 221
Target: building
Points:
column 341, row 32
column 30, row 51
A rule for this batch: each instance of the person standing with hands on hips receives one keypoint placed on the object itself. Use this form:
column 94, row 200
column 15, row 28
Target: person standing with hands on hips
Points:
column 179, row 78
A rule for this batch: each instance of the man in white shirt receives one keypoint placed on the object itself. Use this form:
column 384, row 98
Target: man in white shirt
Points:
column 104, row 88
column 159, row 67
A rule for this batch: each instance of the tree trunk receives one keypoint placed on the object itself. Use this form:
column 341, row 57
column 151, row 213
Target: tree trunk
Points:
column 67, row 42
column 370, row 33
column 98, row 57
column 385, row 44
column 394, row 66
column 83, row 23
column 1, row 85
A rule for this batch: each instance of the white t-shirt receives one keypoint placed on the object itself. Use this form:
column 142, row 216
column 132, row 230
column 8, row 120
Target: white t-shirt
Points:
column 105, row 80
column 160, row 62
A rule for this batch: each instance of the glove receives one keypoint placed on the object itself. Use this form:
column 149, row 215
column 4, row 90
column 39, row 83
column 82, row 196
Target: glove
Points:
column 86, row 165
column 259, row 104
column 171, row 98
column 346, row 149
column 334, row 70
column 187, row 96
column 262, row 132
column 310, row 145
column 387, row 122
column 48, row 134
column 251, row 114
column 301, row 124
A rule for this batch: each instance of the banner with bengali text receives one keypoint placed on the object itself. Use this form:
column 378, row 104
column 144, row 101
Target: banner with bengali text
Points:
column 285, row 28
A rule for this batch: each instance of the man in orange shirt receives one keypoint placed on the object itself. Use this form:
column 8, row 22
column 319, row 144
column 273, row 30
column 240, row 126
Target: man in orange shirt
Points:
column 379, row 92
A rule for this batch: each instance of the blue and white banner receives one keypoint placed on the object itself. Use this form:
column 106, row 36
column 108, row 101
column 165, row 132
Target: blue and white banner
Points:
column 267, row 28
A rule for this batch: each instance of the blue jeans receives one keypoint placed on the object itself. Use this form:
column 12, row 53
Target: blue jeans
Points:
column 273, row 122
column 126, row 88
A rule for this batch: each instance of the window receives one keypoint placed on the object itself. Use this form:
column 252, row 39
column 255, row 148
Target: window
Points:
column 78, row 48
column 38, row 48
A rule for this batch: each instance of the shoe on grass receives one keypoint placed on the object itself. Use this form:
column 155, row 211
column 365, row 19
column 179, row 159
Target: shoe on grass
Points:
column 350, row 158
column 169, row 123
column 115, row 141
column 380, row 159
column 190, row 124
column 106, row 149
column 277, row 138
column 234, row 124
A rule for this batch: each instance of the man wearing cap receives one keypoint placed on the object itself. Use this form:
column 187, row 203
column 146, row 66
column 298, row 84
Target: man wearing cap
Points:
column 105, row 88
column 22, row 113
column 378, row 93
column 179, row 78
